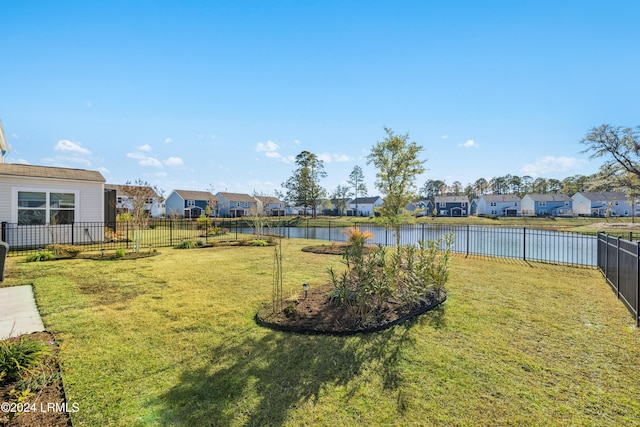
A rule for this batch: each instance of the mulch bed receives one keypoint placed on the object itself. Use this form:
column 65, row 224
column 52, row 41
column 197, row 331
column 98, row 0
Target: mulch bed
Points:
column 333, row 249
column 46, row 407
column 317, row 314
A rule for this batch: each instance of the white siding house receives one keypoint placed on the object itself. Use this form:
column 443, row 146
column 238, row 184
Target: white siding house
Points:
column 364, row 206
column 42, row 205
column 598, row 203
column 154, row 204
column 499, row 205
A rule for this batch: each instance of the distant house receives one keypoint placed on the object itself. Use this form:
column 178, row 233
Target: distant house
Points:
column 364, row 206
column 191, row 204
column 454, row 206
column 598, row 203
column 236, row 205
column 499, row 205
column 270, row 206
column 473, row 206
column 420, row 208
column 153, row 206
column 553, row 204
column 43, row 204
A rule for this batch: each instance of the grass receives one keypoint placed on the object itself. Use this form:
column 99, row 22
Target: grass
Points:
column 170, row 340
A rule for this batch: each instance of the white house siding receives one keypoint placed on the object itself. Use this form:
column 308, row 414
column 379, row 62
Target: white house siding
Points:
column 89, row 208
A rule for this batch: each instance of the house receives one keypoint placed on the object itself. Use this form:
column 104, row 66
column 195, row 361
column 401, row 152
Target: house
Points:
column 154, row 205
column 473, row 206
column 499, row 205
column 191, row 204
column 552, row 204
column 236, row 205
column 420, row 208
column 452, row 205
column 598, row 203
column 364, row 206
column 42, row 204
column 270, row 206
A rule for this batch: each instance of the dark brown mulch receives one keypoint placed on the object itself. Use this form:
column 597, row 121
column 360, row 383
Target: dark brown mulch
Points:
column 316, row 313
column 47, row 406
column 112, row 256
column 332, row 249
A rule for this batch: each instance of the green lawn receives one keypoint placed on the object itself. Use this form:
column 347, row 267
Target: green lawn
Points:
column 170, row 340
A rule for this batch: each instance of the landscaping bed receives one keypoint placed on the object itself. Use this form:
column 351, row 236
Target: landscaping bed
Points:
column 315, row 313
column 44, row 403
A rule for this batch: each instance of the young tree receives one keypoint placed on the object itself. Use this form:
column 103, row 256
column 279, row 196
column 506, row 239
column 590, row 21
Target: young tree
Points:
column 356, row 181
column 398, row 164
column 303, row 187
column 140, row 197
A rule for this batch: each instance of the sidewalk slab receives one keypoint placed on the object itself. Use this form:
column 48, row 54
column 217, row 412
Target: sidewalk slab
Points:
column 18, row 312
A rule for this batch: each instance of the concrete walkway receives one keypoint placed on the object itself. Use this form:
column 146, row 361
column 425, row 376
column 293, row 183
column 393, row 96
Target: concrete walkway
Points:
column 18, row 312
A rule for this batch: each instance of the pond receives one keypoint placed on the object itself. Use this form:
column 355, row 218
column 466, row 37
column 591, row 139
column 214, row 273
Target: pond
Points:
column 504, row 242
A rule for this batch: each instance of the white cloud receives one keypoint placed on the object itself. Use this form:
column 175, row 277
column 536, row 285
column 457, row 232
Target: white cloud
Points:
column 150, row 161
column 341, row 158
column 168, row 140
column 269, row 146
column 14, row 135
column 550, row 164
column 296, row 141
column 445, row 137
column 89, row 104
column 145, row 147
column 273, row 154
column 469, row 144
column 173, row 161
column 325, row 157
column 136, row 156
column 71, row 147
column 104, row 170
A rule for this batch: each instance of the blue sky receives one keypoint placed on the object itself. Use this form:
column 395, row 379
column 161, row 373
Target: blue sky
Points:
column 223, row 95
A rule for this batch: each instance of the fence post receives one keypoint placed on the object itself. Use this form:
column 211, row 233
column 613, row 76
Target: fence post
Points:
column 524, row 243
column 3, row 236
column 329, row 230
column 73, row 227
column 170, row 232
column 618, row 267
column 638, row 284
column 468, row 236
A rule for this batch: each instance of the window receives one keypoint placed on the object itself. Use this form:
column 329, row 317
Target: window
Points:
column 62, row 208
column 191, row 202
column 443, row 205
column 32, row 208
column 493, row 204
column 542, row 203
column 40, row 208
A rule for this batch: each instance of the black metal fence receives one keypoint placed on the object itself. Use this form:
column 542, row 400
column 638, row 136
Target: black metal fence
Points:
column 25, row 239
column 502, row 242
column 619, row 262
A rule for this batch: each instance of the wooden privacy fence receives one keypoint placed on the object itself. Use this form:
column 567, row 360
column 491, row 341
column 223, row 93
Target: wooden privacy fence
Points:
column 619, row 262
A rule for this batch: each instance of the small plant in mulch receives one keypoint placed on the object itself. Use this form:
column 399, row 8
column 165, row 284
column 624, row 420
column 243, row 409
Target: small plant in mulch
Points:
column 30, row 380
column 40, row 256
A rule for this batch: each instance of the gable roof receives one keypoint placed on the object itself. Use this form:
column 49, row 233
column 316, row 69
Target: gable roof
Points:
column 603, row 196
column 500, row 198
column 13, row 169
column 549, row 197
column 238, row 197
column 268, row 199
column 451, row 199
column 195, row 195
column 366, row 199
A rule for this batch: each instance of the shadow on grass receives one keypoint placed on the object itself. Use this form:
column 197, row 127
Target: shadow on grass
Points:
column 258, row 381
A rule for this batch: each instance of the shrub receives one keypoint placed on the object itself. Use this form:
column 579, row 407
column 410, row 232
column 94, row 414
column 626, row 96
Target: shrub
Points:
column 41, row 256
column 120, row 253
column 259, row 242
column 372, row 278
column 18, row 356
column 186, row 244
column 65, row 250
